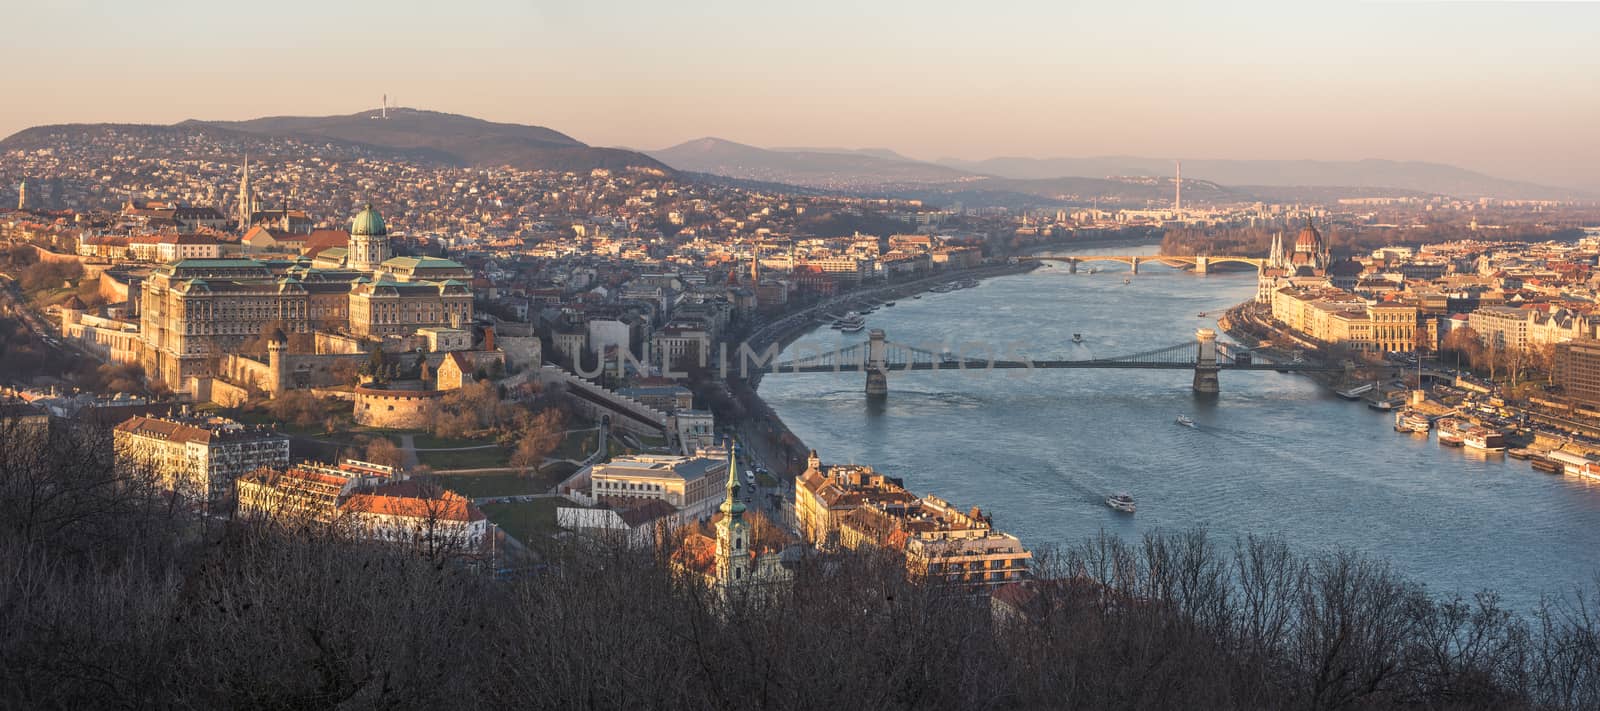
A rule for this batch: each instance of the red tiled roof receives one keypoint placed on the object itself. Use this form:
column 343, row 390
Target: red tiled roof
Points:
column 407, row 499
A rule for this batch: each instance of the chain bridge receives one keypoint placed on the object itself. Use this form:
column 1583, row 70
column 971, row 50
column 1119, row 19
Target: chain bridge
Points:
column 1200, row 263
column 879, row 357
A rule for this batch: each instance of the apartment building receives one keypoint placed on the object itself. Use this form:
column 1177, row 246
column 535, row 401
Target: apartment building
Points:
column 197, row 459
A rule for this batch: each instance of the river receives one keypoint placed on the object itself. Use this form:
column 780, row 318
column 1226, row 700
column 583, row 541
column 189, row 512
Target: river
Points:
column 1274, row 453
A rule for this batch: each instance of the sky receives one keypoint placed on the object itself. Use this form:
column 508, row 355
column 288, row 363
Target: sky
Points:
column 1508, row 88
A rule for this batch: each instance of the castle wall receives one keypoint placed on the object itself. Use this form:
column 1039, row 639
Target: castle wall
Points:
column 226, row 394
column 113, row 290
column 333, row 343
column 396, row 409
column 593, row 401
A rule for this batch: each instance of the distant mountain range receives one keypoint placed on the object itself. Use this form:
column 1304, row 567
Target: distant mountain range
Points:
column 1436, row 178
column 427, row 136
column 461, row 141
column 883, row 170
column 829, row 169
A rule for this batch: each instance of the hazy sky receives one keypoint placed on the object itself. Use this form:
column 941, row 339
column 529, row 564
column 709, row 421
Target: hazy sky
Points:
column 1510, row 88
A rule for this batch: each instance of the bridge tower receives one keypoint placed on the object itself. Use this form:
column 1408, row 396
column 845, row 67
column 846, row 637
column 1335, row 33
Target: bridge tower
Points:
column 1205, row 366
column 877, row 364
column 1135, row 264
column 1072, row 266
column 1201, row 265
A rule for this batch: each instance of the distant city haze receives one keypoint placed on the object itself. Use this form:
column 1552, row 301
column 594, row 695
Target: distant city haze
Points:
column 1507, row 88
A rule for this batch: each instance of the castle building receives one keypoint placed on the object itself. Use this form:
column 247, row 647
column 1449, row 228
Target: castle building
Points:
column 194, row 311
column 369, row 240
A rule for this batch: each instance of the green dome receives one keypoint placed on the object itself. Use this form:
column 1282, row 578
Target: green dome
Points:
column 368, row 223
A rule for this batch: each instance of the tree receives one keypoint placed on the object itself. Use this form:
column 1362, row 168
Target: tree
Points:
column 298, row 407
column 1544, row 360
column 377, row 366
column 1464, row 344
column 345, row 371
column 49, row 275
column 538, row 435
column 382, row 450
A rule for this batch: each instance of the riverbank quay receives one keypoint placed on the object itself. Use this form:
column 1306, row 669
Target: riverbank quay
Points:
column 1542, row 426
column 770, row 441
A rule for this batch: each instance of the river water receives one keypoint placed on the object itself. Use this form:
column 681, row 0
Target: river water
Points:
column 1274, row 453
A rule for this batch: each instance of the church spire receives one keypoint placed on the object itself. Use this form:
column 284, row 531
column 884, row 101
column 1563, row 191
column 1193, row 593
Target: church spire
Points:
column 755, row 265
column 732, row 506
column 247, row 198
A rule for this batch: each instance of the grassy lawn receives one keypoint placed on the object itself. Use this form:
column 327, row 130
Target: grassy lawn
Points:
column 652, row 441
column 526, row 521
column 557, row 471
column 577, row 445
column 485, row 458
column 47, row 297
column 346, row 435
column 428, row 441
column 618, row 447
column 479, row 486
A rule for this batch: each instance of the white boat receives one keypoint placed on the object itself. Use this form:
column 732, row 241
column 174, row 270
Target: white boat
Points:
column 1186, row 421
column 1126, row 280
column 1408, row 421
column 1451, row 432
column 1483, row 438
column 1077, row 338
column 1121, row 502
column 1356, row 392
column 851, row 323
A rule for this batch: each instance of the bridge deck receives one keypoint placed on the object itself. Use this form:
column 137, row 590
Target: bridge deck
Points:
column 978, row 366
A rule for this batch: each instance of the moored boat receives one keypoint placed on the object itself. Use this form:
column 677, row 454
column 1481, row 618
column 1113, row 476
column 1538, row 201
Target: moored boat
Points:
column 1451, row 432
column 1545, row 465
column 1411, row 421
column 1485, row 439
column 1355, row 393
column 1570, row 462
column 851, row 323
column 1519, row 453
column 1590, row 470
